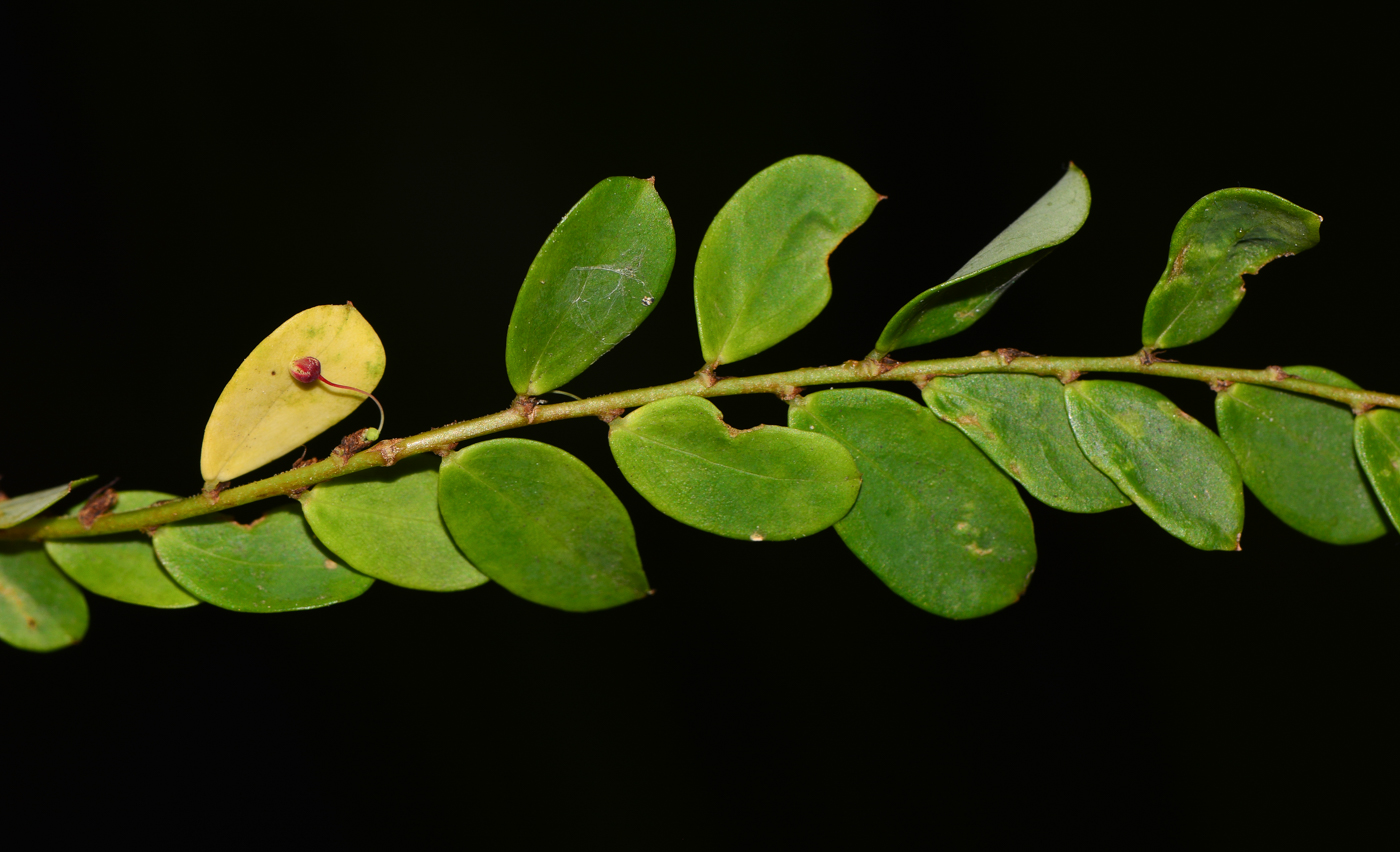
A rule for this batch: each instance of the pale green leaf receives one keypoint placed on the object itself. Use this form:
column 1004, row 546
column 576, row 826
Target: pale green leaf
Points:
column 17, row 510
column 766, row 483
column 761, row 274
column 40, row 609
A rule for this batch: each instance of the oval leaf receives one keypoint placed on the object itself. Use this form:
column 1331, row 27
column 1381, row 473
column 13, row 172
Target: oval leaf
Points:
column 1021, row 423
column 1222, row 237
column 1175, row 469
column 385, row 523
column 124, row 566
column 1378, row 448
column 935, row 520
column 270, row 565
column 960, row 301
column 264, row 413
column 539, row 522
column 40, row 609
column 761, row 273
column 598, row 275
column 1296, row 454
column 17, row 510
column 769, row 482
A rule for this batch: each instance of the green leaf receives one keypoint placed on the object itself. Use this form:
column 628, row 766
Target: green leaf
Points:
column 761, row 274
column 1221, row 238
column 598, row 275
column 40, row 609
column 1296, row 454
column 122, row 567
column 270, row 565
column 1378, row 448
column 957, row 303
column 1021, row 423
column 769, row 482
column 264, row 413
column 539, row 522
column 385, row 523
column 17, row 510
column 935, row 520
column 1175, row 469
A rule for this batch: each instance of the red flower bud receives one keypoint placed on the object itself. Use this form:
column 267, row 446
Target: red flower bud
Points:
column 306, row 370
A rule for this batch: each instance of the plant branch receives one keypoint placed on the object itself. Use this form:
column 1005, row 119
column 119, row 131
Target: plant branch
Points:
column 527, row 411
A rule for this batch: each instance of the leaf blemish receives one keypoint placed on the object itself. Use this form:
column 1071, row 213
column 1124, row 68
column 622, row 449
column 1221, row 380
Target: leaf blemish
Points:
column 972, row 548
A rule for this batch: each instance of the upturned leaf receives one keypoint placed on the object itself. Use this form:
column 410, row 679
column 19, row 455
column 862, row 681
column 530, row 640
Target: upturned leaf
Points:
column 1175, row 469
column 270, row 565
column 1021, row 423
column 17, row 510
column 40, row 609
column 936, row 521
column 539, row 522
column 761, row 274
column 123, row 566
column 766, row 483
column 385, row 524
column 1222, row 237
column 1378, row 448
column 598, row 275
column 264, row 413
column 1297, row 455
column 957, row 303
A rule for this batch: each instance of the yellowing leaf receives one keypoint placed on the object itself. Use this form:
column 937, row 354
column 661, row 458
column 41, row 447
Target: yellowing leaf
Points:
column 264, row 413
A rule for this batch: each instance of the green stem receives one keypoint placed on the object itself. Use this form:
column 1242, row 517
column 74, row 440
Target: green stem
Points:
column 526, row 412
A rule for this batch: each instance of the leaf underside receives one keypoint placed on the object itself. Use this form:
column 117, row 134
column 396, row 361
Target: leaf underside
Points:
column 17, row 510
column 957, row 303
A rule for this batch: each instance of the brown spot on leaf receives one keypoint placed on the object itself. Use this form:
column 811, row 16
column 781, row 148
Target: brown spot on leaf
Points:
column 1179, row 262
column 31, row 623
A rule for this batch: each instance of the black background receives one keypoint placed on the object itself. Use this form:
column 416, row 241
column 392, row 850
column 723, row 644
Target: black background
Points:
column 178, row 182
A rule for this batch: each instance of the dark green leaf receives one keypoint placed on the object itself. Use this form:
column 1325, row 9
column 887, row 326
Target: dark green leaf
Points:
column 1021, row 423
column 122, row 567
column 17, row 510
column 957, row 303
column 598, row 275
column 1221, row 238
column 935, row 520
column 1175, row 469
column 539, row 522
column 40, row 609
column 1378, row 447
column 271, row 565
column 1296, row 454
column 761, row 274
column 769, row 482
column 385, row 523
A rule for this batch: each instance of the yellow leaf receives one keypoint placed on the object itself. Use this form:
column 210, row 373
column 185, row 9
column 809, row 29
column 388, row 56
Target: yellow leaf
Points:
column 264, row 413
